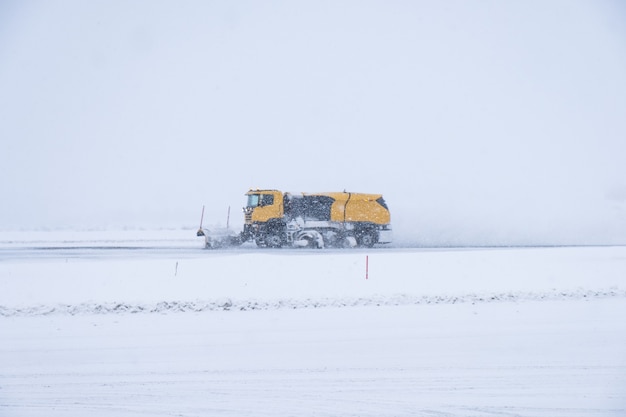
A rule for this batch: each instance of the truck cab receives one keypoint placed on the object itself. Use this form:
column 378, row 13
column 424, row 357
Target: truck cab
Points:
column 263, row 218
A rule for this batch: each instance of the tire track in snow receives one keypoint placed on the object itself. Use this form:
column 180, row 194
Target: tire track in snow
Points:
column 227, row 304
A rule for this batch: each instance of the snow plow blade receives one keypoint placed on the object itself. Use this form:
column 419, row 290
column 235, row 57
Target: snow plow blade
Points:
column 220, row 238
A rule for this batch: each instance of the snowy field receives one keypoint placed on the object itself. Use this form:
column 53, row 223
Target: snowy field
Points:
column 147, row 323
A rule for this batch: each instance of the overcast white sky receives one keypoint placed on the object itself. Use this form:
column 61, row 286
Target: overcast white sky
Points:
column 480, row 121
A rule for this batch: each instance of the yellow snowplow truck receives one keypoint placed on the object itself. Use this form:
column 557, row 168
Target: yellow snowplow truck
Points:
column 337, row 219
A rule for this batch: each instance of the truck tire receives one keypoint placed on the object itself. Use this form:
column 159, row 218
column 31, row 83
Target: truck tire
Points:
column 272, row 234
column 313, row 244
column 366, row 238
column 273, row 241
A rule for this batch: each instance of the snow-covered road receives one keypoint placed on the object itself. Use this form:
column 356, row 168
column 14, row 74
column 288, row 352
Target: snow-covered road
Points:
column 167, row 329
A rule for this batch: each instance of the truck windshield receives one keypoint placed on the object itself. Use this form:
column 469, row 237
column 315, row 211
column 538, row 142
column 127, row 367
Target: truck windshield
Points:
column 253, row 200
column 256, row 200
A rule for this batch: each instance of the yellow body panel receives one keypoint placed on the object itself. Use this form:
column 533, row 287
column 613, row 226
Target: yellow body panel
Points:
column 357, row 207
column 347, row 207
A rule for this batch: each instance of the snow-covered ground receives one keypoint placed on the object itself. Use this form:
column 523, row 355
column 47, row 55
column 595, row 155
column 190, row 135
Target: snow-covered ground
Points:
column 149, row 323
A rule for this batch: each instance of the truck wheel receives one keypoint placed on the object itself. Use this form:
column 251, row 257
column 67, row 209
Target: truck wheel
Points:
column 349, row 242
column 312, row 243
column 273, row 241
column 366, row 239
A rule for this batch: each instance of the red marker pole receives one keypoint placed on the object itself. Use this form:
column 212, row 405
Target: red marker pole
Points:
column 367, row 266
